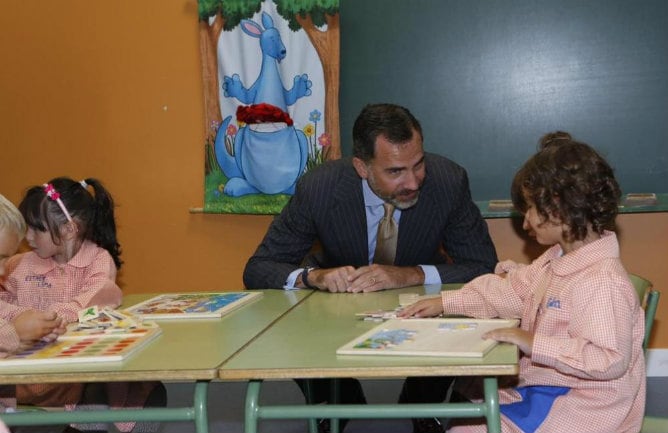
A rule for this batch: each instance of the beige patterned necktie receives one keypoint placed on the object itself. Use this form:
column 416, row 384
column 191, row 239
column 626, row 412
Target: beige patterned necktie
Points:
column 386, row 240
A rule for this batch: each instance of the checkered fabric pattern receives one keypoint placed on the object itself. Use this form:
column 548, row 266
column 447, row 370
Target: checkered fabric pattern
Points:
column 588, row 335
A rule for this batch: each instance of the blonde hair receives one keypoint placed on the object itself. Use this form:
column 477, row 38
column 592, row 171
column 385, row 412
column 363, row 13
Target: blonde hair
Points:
column 11, row 218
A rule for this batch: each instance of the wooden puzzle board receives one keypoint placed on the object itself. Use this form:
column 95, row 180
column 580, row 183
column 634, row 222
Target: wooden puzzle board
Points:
column 192, row 305
column 84, row 349
column 427, row 337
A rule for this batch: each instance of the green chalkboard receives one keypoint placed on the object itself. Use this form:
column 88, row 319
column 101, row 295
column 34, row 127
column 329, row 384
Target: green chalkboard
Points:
column 487, row 78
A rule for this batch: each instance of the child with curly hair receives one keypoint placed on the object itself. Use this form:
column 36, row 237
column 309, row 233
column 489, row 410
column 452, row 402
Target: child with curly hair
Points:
column 582, row 366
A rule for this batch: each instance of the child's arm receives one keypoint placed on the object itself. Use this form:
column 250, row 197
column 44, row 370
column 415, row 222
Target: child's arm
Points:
column 96, row 286
column 506, row 266
column 9, row 307
column 8, row 310
column 423, row 308
column 519, row 337
column 488, row 296
column 34, row 325
column 9, row 339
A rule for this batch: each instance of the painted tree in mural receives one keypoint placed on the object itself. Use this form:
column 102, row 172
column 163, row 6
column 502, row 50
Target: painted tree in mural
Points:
column 310, row 15
column 218, row 15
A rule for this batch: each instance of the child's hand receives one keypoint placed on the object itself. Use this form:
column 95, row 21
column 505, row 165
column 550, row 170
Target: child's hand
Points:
column 60, row 329
column 519, row 337
column 424, row 308
column 32, row 325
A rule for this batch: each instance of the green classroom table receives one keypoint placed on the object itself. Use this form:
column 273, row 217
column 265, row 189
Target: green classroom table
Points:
column 303, row 344
column 186, row 351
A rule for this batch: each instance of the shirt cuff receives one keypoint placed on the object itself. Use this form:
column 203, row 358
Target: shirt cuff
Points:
column 431, row 275
column 290, row 282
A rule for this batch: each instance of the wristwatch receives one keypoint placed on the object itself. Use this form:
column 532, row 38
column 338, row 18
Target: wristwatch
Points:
column 305, row 277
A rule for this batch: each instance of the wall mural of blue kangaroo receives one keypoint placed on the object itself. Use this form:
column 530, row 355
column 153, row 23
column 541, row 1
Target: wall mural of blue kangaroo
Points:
column 268, row 154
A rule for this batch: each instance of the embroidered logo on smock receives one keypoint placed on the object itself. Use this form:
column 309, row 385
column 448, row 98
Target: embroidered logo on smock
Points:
column 39, row 281
column 553, row 303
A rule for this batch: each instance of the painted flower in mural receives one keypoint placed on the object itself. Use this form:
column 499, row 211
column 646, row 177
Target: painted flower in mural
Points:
column 314, row 116
column 324, row 140
column 230, row 134
column 219, row 191
column 315, row 152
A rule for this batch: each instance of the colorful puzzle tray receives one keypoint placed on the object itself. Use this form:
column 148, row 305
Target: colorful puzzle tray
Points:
column 80, row 348
column 427, row 337
column 192, row 305
column 90, row 329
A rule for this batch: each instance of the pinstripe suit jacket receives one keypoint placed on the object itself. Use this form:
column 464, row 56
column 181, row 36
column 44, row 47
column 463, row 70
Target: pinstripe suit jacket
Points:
column 328, row 208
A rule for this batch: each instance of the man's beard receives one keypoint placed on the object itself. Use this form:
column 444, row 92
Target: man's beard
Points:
column 404, row 204
column 393, row 199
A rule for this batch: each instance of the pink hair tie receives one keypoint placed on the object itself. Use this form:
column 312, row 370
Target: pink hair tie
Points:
column 55, row 196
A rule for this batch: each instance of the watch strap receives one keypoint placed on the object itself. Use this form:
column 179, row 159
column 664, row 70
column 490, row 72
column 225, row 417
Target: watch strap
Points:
column 305, row 277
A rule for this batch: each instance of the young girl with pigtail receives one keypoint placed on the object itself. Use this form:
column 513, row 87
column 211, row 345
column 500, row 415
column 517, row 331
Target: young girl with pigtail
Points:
column 75, row 254
column 30, row 326
column 73, row 264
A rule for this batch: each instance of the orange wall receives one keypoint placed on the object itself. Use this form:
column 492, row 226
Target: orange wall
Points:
column 113, row 90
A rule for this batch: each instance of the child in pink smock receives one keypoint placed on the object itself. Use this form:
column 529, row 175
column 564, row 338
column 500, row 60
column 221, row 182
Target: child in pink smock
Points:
column 31, row 325
column 73, row 263
column 582, row 367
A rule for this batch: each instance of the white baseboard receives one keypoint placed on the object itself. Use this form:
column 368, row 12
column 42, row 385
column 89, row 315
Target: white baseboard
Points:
column 657, row 362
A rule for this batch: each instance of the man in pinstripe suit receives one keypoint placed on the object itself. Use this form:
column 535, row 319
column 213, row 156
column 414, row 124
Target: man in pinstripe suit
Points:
column 442, row 237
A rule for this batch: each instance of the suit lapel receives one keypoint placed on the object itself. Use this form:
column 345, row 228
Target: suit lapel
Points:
column 415, row 226
column 349, row 216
